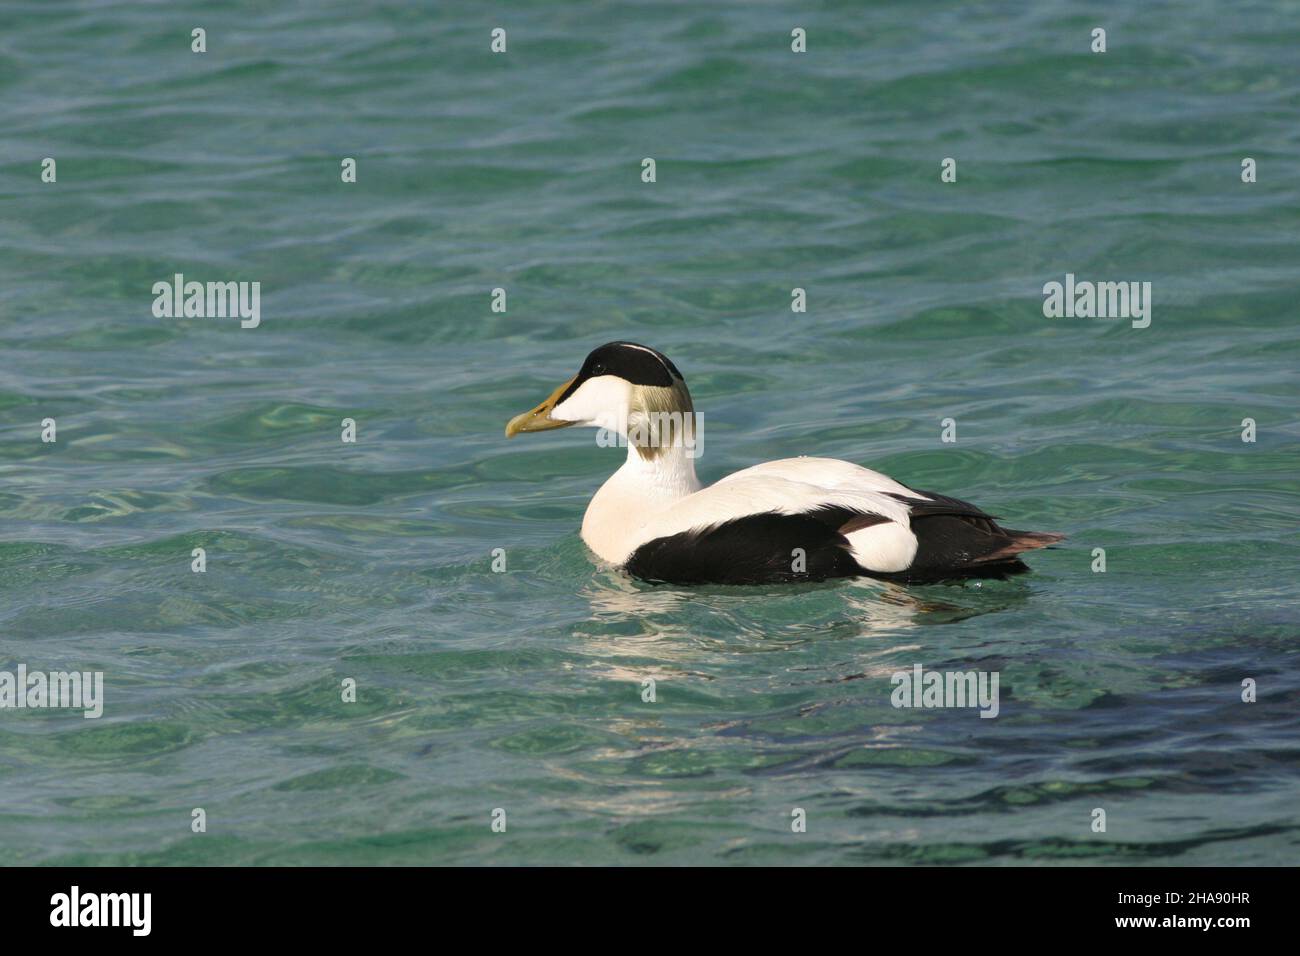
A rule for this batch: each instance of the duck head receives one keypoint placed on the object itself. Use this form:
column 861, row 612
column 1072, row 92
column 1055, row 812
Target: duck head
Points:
column 629, row 389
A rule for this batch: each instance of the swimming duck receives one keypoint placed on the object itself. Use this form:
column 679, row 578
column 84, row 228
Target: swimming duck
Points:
column 798, row 519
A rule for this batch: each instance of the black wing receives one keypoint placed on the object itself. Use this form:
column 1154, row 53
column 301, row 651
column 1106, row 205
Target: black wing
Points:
column 957, row 539
column 756, row 549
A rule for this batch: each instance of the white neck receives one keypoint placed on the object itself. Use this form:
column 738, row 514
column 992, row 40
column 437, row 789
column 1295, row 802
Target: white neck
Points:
column 632, row 496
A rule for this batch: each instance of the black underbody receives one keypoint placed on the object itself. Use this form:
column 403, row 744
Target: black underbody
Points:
column 955, row 540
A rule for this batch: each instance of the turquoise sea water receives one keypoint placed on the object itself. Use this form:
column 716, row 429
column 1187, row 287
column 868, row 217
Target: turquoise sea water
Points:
column 522, row 690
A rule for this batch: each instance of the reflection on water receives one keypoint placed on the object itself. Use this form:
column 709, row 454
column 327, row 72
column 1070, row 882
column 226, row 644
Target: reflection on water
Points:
column 876, row 607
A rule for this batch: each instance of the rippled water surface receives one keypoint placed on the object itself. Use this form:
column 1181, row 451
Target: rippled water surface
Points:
column 522, row 690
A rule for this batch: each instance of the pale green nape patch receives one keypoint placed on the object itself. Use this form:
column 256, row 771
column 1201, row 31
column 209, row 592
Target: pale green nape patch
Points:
column 660, row 418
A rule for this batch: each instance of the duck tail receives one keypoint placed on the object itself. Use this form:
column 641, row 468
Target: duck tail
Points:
column 1021, row 541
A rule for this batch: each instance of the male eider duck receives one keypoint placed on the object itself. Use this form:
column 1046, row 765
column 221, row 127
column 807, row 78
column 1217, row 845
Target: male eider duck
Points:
column 798, row 519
